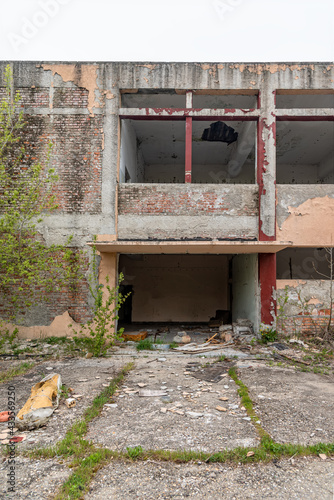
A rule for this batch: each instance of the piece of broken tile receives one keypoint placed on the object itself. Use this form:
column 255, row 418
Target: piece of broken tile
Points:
column 163, row 410
column 105, row 385
column 5, row 441
column 83, row 380
column 3, row 436
column 141, row 384
column 223, row 398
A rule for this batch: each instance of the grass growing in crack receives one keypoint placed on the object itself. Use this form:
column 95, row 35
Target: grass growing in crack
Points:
column 86, row 457
column 14, row 372
column 247, row 402
column 77, row 484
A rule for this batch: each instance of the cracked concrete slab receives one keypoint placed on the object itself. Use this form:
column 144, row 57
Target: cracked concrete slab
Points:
column 185, row 418
column 34, row 479
column 85, row 376
column 306, row 478
column 293, row 406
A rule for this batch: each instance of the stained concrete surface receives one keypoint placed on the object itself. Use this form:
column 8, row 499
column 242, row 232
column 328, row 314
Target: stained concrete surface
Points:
column 292, row 406
column 308, row 479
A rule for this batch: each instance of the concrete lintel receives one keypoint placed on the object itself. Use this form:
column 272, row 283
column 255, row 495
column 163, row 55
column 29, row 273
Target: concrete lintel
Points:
column 190, row 247
column 304, row 114
column 175, row 113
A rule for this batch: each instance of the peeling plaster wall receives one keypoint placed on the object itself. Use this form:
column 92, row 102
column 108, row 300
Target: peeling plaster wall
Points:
column 130, row 158
column 307, row 308
column 305, row 214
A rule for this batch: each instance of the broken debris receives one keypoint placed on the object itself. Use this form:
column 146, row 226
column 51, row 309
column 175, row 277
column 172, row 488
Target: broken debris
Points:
column 43, row 400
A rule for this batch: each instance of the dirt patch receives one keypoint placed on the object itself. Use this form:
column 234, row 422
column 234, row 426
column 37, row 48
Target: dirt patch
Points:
column 212, row 373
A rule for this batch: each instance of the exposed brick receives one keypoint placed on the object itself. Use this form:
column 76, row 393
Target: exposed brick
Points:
column 141, row 199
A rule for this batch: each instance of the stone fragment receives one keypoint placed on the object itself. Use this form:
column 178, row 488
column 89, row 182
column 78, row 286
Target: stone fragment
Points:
column 221, row 408
column 193, row 414
column 141, row 384
column 151, row 393
column 322, row 456
column 223, row 398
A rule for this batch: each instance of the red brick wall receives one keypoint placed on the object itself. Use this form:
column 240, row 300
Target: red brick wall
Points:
column 76, row 156
column 72, row 299
column 305, row 323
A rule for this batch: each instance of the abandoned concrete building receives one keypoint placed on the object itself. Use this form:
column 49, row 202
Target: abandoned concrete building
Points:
column 209, row 186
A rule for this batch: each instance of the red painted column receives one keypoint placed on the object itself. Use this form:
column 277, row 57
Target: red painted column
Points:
column 189, row 145
column 267, row 281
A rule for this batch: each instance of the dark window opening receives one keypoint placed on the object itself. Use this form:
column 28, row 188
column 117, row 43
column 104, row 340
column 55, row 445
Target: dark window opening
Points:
column 303, row 264
column 305, row 152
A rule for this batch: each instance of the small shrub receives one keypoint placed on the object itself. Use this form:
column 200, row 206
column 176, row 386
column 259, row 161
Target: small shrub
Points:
column 268, row 335
column 145, row 345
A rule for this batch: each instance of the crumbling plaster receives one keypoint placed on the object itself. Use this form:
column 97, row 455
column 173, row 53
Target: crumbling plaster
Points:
column 305, row 214
column 304, row 296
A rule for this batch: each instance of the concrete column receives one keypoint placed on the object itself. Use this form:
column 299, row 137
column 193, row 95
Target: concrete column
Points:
column 267, row 280
column 266, row 162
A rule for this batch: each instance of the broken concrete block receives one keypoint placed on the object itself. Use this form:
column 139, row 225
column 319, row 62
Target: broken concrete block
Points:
column 70, row 402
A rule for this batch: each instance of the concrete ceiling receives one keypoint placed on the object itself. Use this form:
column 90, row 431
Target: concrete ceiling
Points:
column 163, row 142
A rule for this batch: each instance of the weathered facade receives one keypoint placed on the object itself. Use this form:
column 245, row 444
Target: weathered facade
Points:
column 200, row 218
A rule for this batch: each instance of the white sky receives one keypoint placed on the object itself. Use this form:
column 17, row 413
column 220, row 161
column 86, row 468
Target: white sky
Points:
column 169, row 30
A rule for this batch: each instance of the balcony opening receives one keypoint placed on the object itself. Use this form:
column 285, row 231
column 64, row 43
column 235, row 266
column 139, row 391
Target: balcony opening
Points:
column 154, row 151
column 305, row 152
